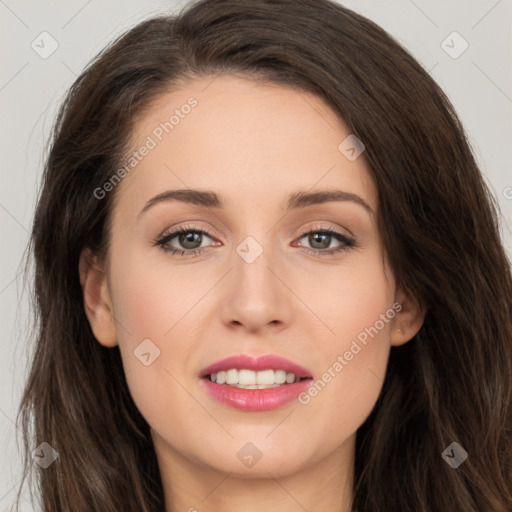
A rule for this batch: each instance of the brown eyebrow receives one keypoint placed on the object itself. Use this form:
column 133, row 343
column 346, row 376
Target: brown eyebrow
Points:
column 296, row 200
column 303, row 199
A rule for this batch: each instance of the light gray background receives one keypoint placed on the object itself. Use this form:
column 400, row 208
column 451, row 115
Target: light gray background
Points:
column 478, row 83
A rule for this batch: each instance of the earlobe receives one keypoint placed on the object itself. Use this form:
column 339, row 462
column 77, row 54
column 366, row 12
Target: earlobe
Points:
column 408, row 319
column 96, row 299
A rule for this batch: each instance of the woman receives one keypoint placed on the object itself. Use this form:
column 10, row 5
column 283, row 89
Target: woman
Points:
column 268, row 275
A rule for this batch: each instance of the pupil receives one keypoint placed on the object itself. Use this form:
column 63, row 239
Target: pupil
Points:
column 190, row 238
column 313, row 239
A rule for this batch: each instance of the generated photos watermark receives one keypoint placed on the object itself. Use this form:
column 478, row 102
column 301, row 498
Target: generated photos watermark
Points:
column 344, row 359
column 151, row 142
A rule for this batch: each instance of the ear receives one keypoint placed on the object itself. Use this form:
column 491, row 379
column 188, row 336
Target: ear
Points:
column 97, row 302
column 408, row 319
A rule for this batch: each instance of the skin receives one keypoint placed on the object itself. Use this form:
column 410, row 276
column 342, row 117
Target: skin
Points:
column 253, row 144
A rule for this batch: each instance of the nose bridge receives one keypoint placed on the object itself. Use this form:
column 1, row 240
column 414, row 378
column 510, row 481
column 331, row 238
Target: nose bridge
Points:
column 258, row 297
column 254, row 256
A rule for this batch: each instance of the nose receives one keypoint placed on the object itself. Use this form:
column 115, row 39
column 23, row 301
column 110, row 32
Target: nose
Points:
column 258, row 297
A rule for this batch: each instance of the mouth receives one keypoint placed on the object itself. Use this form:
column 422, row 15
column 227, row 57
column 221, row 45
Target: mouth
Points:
column 245, row 370
column 255, row 384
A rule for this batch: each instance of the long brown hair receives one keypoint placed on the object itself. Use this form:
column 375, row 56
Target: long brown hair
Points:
column 451, row 383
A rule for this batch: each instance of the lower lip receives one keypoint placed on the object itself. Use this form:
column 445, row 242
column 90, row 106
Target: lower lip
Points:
column 256, row 399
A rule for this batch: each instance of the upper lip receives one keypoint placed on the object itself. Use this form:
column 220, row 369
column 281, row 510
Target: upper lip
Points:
column 265, row 362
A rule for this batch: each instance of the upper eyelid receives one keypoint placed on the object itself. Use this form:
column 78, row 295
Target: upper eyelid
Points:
column 185, row 228
column 319, row 227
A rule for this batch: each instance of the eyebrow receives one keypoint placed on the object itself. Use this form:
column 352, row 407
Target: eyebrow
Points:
column 297, row 200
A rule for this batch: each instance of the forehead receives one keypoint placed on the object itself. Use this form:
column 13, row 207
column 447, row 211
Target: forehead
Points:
column 250, row 142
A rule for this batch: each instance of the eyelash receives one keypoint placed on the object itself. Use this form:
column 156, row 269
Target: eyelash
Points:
column 347, row 242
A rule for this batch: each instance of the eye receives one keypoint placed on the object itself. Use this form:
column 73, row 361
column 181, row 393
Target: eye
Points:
column 189, row 238
column 320, row 239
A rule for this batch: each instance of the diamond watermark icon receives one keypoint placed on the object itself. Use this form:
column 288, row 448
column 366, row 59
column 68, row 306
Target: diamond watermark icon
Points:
column 249, row 454
column 249, row 249
column 454, row 45
column 44, row 45
column 351, row 147
column 45, row 455
column 454, row 455
column 146, row 352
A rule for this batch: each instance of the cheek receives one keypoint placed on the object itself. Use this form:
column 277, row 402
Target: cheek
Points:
column 357, row 306
column 151, row 326
column 151, row 298
column 146, row 307
column 349, row 298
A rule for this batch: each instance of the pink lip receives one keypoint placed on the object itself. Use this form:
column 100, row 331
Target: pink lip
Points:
column 268, row 362
column 256, row 399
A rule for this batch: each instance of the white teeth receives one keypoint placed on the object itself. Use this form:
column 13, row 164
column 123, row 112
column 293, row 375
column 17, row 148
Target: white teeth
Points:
column 280, row 376
column 264, row 377
column 232, row 377
column 249, row 379
column 245, row 377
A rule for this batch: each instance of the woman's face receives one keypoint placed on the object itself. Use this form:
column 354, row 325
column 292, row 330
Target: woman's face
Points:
column 247, row 279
